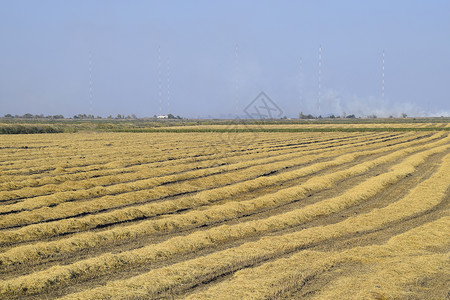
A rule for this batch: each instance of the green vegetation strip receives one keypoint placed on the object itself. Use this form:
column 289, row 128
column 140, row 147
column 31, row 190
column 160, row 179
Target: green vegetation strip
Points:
column 223, row 130
column 26, row 126
column 29, row 129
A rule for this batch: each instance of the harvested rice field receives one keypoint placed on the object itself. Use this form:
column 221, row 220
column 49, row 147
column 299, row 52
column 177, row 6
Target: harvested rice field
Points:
column 225, row 215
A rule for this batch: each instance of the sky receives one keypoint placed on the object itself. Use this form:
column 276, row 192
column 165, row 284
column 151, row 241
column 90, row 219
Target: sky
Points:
column 210, row 59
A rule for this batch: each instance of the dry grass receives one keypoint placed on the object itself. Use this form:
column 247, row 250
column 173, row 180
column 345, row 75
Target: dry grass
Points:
column 405, row 253
column 201, row 198
column 197, row 218
column 386, row 271
column 132, row 179
column 217, row 229
column 91, row 268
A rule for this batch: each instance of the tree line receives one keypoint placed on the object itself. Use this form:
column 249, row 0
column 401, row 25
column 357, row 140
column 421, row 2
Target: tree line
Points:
column 79, row 116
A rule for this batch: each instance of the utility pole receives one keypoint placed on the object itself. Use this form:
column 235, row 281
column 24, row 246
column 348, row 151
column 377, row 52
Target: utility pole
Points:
column 159, row 81
column 319, row 78
column 90, row 83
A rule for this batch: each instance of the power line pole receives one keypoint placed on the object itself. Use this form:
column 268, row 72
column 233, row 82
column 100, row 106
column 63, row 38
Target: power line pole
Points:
column 301, row 82
column 382, row 79
column 320, row 78
column 159, row 81
column 236, row 80
column 168, row 86
column 90, row 82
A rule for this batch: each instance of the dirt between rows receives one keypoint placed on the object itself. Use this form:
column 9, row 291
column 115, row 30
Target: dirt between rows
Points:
column 185, row 153
column 5, row 247
column 157, row 238
column 290, row 149
column 434, row 287
column 391, row 194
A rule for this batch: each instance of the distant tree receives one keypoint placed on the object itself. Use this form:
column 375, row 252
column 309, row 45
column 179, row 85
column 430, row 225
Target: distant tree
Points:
column 178, row 117
column 302, row 116
column 344, row 115
column 404, row 115
column 119, row 116
column 332, row 117
column 109, row 117
column 170, row 116
column 372, row 116
column 8, row 116
column 350, row 116
column 80, row 116
column 27, row 116
column 133, row 116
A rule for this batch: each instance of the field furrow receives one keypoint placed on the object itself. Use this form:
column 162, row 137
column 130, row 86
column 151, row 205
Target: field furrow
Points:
column 186, row 274
column 213, row 212
column 145, row 171
column 117, row 163
column 58, row 206
column 201, row 198
column 194, row 242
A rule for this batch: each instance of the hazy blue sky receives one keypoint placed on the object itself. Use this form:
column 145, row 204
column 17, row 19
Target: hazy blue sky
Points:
column 45, row 46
